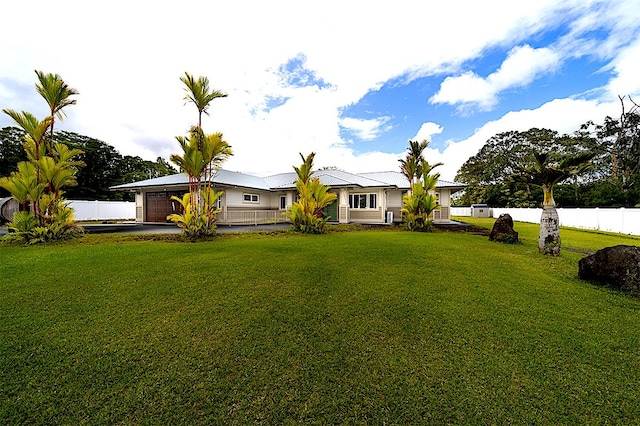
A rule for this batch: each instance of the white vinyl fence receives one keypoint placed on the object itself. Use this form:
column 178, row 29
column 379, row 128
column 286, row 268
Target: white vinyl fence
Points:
column 103, row 210
column 620, row 220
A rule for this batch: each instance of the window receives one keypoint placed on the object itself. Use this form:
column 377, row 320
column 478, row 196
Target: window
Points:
column 283, row 202
column 250, row 198
column 363, row 201
column 219, row 203
column 437, row 198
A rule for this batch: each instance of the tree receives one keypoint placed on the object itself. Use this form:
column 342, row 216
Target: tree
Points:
column 199, row 205
column 420, row 200
column 313, row 196
column 199, row 93
column 545, row 169
column 104, row 166
column 412, row 166
column 487, row 174
column 202, row 155
column 57, row 94
column 38, row 183
column 11, row 152
column 101, row 170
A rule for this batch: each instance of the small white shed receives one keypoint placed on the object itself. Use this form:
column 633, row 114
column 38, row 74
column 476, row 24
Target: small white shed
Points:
column 480, row 210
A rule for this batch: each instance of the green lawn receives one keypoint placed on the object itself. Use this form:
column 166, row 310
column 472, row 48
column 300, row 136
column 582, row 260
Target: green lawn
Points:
column 371, row 327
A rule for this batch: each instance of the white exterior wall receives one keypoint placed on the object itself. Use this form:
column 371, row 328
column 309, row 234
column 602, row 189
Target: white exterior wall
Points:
column 234, row 199
column 139, row 206
column 394, row 199
column 445, row 197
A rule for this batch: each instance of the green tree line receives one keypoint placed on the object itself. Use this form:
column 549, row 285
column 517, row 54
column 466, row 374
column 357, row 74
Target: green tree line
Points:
column 104, row 165
column 613, row 179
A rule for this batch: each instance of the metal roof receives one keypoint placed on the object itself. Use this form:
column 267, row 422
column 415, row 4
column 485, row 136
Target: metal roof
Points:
column 171, row 180
column 332, row 177
column 399, row 180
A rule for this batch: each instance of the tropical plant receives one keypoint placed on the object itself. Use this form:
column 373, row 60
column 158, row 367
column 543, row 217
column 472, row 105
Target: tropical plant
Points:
column 202, row 155
column 38, row 183
column 412, row 165
column 200, row 94
column 488, row 173
column 545, row 170
column 57, row 94
column 306, row 213
column 421, row 201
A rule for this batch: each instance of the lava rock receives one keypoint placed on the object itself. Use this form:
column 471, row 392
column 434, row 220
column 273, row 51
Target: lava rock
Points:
column 503, row 230
column 617, row 266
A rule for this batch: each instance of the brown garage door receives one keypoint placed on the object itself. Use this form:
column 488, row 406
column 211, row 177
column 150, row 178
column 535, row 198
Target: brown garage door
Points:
column 160, row 205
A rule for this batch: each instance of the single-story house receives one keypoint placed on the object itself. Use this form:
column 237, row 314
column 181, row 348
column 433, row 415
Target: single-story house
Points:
column 368, row 198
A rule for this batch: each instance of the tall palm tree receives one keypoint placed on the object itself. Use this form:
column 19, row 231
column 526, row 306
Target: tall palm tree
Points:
column 58, row 96
column 199, row 92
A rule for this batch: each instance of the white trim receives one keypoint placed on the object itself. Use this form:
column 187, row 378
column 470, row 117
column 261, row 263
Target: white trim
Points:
column 367, row 201
column 252, row 198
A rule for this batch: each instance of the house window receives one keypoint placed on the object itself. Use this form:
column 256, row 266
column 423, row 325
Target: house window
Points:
column 219, row 203
column 251, row 198
column 437, row 198
column 283, row 202
column 363, row 201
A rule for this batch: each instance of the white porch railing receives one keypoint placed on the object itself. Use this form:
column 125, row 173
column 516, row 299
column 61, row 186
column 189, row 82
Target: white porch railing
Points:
column 251, row 217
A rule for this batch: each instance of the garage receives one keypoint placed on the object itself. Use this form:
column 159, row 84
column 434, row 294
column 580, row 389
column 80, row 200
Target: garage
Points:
column 160, row 205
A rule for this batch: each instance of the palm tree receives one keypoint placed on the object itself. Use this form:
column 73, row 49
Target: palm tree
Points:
column 58, row 96
column 546, row 169
column 200, row 155
column 200, row 94
column 35, row 131
column 313, row 196
column 421, row 201
column 414, row 166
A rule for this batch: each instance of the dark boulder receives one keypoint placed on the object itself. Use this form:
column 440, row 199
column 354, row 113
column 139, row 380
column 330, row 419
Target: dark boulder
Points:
column 503, row 230
column 617, row 266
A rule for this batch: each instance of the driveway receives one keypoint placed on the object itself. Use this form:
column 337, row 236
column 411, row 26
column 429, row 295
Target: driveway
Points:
column 160, row 228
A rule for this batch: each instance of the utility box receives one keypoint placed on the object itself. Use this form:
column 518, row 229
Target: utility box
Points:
column 480, row 210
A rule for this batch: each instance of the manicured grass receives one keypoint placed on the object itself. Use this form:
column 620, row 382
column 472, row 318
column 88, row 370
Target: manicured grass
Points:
column 571, row 238
column 371, row 327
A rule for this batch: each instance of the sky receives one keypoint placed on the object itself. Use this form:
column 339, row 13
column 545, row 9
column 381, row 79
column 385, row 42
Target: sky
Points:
column 353, row 81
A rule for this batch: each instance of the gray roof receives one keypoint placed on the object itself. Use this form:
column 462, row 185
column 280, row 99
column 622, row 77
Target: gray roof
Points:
column 332, row 177
column 171, row 180
column 399, row 180
column 222, row 177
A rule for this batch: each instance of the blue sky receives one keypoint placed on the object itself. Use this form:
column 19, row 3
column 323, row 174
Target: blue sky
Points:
column 352, row 81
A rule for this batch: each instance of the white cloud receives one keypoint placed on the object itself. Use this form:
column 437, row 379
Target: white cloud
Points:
column 562, row 115
column 427, row 130
column 522, row 65
column 365, row 129
column 627, row 69
column 126, row 59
